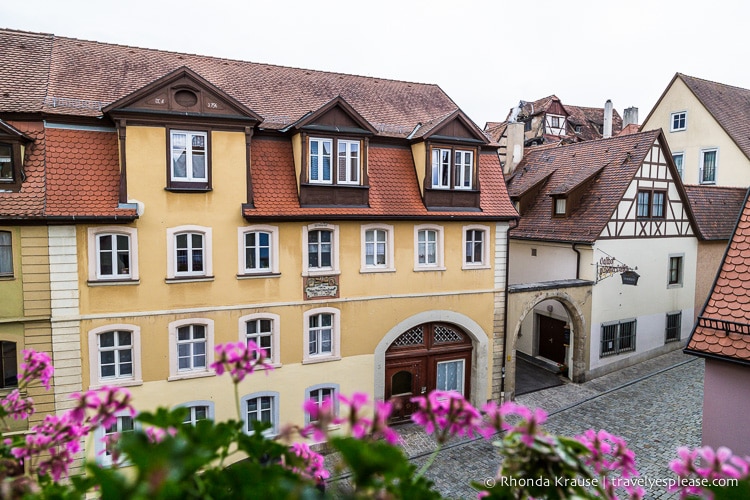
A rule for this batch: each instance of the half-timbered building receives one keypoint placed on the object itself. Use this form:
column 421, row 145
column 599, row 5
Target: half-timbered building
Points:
column 602, row 262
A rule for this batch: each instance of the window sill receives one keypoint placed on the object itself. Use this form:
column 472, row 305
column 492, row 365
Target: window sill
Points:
column 674, row 285
column 188, row 279
column 188, row 189
column 322, row 359
column 113, row 282
column 433, row 268
column 368, row 270
column 191, row 375
column 321, row 272
column 7, row 277
column 250, row 276
column 472, row 267
column 115, row 383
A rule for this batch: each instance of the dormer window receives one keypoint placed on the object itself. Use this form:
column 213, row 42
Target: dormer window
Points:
column 7, row 163
column 320, row 161
column 189, row 160
column 452, row 168
column 560, row 207
column 11, row 157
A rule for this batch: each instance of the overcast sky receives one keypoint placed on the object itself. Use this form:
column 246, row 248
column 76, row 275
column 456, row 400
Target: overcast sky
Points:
column 486, row 55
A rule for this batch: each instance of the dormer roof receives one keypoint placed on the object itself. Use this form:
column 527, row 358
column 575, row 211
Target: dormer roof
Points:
column 336, row 115
column 453, row 127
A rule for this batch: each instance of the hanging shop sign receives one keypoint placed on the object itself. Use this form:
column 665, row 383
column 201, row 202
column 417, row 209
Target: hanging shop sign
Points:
column 609, row 266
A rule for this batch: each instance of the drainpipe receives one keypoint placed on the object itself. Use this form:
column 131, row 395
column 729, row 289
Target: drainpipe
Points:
column 505, row 315
column 578, row 261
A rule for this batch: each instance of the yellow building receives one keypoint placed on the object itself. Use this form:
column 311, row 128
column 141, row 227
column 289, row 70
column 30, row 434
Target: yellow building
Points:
column 353, row 227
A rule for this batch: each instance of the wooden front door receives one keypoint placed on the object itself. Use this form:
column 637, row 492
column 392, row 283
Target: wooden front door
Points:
column 552, row 339
column 403, row 381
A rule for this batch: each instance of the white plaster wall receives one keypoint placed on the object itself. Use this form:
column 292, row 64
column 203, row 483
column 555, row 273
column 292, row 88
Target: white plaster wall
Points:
column 553, row 261
column 650, row 300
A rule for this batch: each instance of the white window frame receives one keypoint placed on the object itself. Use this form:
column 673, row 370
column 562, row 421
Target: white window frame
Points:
column 210, row 411
column 275, row 359
column 95, row 379
column 561, row 206
column 274, row 411
column 437, row 166
column 320, row 179
column 680, row 278
column 93, row 235
column 460, row 174
column 681, row 167
column 335, row 353
column 321, row 271
column 177, row 277
column 348, row 143
column 188, row 156
column 334, row 398
column 439, row 265
column 672, row 117
column 100, row 448
column 389, row 265
column 174, row 372
column 273, row 231
column 462, row 378
column 716, row 165
column 485, row 262
column 618, row 325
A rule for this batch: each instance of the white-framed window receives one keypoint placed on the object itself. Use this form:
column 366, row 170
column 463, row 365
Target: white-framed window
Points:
column 320, row 250
column 322, row 332
column 189, row 253
column 709, row 163
column 679, row 160
column 113, row 253
column 348, row 161
column 263, row 329
column 6, row 253
column 191, row 348
column 377, row 248
column 450, row 376
column 675, row 272
column 673, row 327
column 261, row 406
column 428, row 248
column 104, row 438
column 617, row 337
column 258, row 250
column 320, row 160
column 197, row 411
column 476, row 243
column 452, row 169
column 561, row 206
column 678, row 121
column 319, row 393
column 115, row 355
column 189, row 158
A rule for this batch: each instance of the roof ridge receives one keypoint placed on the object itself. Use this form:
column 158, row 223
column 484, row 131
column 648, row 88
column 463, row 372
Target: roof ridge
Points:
column 683, row 75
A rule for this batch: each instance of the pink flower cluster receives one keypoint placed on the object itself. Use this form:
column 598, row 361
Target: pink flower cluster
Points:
column 58, row 438
column 240, row 360
column 323, row 415
column 16, row 406
column 447, row 414
column 610, row 453
column 35, row 365
column 700, row 466
column 314, row 463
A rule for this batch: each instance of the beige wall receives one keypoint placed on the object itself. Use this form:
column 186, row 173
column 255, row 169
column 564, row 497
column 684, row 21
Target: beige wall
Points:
column 702, row 131
column 710, row 257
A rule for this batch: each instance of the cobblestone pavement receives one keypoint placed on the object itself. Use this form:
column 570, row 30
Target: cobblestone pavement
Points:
column 656, row 406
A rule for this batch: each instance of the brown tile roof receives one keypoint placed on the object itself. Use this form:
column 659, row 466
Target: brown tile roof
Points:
column 715, row 209
column 589, row 119
column 723, row 328
column 78, row 77
column 618, row 158
column 69, row 173
column 394, row 191
column 631, row 128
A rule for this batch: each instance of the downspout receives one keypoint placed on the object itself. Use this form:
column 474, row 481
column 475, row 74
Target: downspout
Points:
column 505, row 314
column 578, row 261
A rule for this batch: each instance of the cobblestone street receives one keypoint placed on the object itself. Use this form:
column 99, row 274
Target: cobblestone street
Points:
column 656, row 406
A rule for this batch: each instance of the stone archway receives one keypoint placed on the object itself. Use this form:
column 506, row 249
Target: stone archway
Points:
column 577, row 304
column 479, row 365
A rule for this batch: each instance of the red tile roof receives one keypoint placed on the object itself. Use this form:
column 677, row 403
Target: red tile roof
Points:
column 394, row 191
column 723, row 328
column 618, row 158
column 715, row 209
column 78, row 77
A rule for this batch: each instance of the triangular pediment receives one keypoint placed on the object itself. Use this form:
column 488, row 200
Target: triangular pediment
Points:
column 184, row 93
column 456, row 127
column 336, row 115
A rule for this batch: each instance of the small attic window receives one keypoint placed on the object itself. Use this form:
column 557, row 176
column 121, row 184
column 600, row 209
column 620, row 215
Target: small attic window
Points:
column 560, row 206
column 185, row 98
column 10, row 166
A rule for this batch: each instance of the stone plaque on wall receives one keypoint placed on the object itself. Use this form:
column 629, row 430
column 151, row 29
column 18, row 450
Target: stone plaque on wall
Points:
column 320, row 287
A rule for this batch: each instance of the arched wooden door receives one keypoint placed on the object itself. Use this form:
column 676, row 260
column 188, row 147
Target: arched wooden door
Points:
column 427, row 357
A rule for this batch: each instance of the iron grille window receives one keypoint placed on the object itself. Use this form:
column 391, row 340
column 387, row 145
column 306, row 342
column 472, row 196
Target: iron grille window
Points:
column 618, row 338
column 674, row 325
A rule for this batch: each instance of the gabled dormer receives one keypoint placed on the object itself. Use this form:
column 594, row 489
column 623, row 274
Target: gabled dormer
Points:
column 556, row 119
column 12, row 153
column 446, row 156
column 566, row 197
column 190, row 108
column 330, row 156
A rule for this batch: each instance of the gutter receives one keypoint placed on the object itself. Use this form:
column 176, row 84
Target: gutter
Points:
column 505, row 314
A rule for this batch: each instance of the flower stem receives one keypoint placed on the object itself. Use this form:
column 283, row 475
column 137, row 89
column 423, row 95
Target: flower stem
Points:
column 429, row 462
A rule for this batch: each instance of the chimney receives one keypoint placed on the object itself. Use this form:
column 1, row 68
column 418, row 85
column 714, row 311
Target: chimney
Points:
column 514, row 146
column 607, row 129
column 630, row 115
